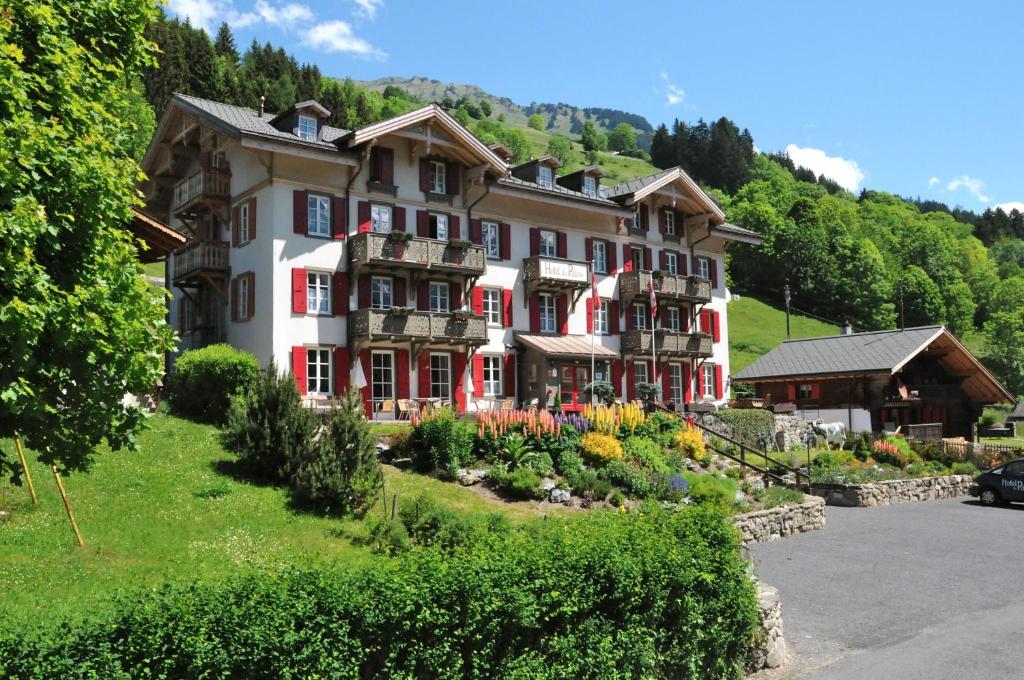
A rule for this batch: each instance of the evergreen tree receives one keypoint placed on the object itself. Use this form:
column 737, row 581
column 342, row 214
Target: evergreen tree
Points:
column 662, row 153
column 225, row 43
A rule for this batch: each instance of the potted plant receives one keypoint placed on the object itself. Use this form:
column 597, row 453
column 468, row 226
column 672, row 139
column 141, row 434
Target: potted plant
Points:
column 648, row 392
column 399, row 241
column 602, row 389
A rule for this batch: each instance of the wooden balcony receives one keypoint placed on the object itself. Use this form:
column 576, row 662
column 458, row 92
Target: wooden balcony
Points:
column 667, row 343
column 199, row 259
column 428, row 328
column 556, row 275
column 389, row 251
column 207, row 188
column 666, row 286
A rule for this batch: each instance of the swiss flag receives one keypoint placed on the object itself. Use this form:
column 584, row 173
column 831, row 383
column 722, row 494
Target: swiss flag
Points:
column 654, row 302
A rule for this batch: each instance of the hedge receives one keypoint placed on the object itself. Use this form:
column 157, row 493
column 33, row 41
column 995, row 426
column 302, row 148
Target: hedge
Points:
column 204, row 380
column 642, row 594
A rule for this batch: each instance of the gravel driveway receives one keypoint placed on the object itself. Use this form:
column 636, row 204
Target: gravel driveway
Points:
column 922, row 590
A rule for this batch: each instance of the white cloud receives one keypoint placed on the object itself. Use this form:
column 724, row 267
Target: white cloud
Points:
column 200, row 13
column 934, row 182
column 368, row 8
column 973, row 185
column 337, row 36
column 1010, row 206
column 673, row 93
column 283, row 15
column 845, row 173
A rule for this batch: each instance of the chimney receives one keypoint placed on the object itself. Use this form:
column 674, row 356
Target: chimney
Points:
column 847, row 328
column 262, row 99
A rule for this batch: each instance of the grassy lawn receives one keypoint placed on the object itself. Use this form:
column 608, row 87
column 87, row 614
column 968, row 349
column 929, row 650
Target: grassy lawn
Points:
column 166, row 512
column 755, row 328
column 155, row 269
column 1003, row 441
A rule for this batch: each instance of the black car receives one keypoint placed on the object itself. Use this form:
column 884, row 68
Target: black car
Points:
column 1000, row 485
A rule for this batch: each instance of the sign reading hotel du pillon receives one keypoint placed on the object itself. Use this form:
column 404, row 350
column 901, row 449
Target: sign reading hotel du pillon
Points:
column 564, row 271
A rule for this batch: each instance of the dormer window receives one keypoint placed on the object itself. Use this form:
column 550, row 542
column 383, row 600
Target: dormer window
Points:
column 307, row 128
column 438, row 184
column 590, row 186
column 545, row 176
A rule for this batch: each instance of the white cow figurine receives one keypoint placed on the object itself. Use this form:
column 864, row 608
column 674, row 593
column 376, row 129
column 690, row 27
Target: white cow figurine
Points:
column 832, row 432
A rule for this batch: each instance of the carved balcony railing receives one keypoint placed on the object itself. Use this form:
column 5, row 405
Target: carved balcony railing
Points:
column 400, row 250
column 666, row 286
column 199, row 258
column 667, row 343
column 428, row 327
column 211, row 184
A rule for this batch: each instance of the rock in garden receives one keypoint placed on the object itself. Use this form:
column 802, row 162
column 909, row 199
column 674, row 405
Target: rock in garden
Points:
column 547, row 484
column 559, row 496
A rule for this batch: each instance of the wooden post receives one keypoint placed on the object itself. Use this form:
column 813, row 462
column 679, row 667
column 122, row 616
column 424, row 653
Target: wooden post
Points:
column 24, row 466
column 67, row 506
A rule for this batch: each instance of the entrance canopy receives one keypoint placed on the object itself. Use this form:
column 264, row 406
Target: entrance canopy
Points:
column 564, row 346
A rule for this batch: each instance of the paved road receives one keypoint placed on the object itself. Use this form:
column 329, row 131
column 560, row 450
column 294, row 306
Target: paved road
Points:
column 924, row 590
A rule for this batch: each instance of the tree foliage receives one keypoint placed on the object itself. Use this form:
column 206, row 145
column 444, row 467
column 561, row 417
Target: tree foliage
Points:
column 622, row 138
column 561, row 148
column 592, row 138
column 80, row 325
column 536, row 121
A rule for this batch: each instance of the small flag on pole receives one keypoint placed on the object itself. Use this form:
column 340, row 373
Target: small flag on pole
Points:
column 654, row 300
column 593, row 290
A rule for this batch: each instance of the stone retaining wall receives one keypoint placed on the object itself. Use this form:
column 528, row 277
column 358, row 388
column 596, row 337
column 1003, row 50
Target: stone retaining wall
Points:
column 894, row 491
column 764, row 526
column 769, row 647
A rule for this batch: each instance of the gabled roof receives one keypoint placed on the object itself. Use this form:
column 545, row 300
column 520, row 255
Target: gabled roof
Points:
column 735, row 233
column 548, row 159
column 159, row 239
column 589, row 170
column 638, row 188
column 556, row 190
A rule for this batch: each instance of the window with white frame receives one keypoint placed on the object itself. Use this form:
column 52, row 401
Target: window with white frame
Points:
column 381, row 292
column 674, row 319
column 492, row 306
column 492, row 240
column 438, row 226
column 243, row 298
column 704, row 267
column 439, row 292
column 318, row 215
column 709, row 380
column 243, row 223
column 307, row 128
column 440, row 376
column 640, row 317
column 638, row 259
column 672, row 263
column 380, row 219
column 438, row 180
column 318, row 292
column 545, row 176
column 670, row 222
column 547, row 314
column 640, row 372
column 185, row 308
column 492, row 376
column 805, row 392
column 600, row 257
column 548, row 243
column 590, row 185
column 601, row 318
column 675, row 383
column 318, row 371
column 382, row 369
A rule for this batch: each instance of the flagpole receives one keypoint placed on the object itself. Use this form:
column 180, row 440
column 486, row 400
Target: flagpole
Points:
column 654, row 357
column 595, row 305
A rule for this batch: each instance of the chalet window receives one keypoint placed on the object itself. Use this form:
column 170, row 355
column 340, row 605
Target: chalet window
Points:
column 492, row 305
column 547, row 313
column 185, row 309
column 307, row 128
column 492, row 240
column 380, row 293
column 439, row 226
column 709, row 381
column 318, row 215
column 670, row 222
column 380, row 219
column 805, row 392
column 318, row 371
column 243, row 223
column 545, row 176
column 243, row 298
column 638, row 259
column 640, row 317
column 492, row 376
column 672, row 263
column 640, row 372
column 601, row 318
column 439, row 291
column 675, row 383
column 440, row 376
column 590, row 186
column 438, row 184
column 318, row 292
column 383, row 375
column 673, row 319
column 704, row 267
column 600, row 257
column 548, row 243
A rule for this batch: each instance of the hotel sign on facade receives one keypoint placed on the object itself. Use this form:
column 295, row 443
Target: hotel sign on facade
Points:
column 577, row 272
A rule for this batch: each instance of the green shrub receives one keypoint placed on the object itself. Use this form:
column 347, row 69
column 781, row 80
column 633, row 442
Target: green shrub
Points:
column 603, row 389
column 598, row 596
column 933, row 451
column 269, row 428
column 601, row 448
column 775, row 496
column 341, row 475
column 400, row 445
column 635, row 480
column 894, row 451
column 387, row 536
column 750, row 426
column 832, row 459
column 718, row 491
column 204, row 381
column 522, row 482
column 514, row 452
column 963, row 468
column 645, row 452
column 617, row 499
column 568, row 462
column 441, row 442
column 670, row 487
column 430, row 523
column 587, row 484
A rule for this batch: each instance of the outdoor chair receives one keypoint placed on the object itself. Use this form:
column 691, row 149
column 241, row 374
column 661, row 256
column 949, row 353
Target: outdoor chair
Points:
column 508, row 405
column 406, row 407
column 386, row 406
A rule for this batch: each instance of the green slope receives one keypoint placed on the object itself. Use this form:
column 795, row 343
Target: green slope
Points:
column 755, row 328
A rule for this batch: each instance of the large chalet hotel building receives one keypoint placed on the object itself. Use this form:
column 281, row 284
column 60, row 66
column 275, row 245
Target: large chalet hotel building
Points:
column 411, row 255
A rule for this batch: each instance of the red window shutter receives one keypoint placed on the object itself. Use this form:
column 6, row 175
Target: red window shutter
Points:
column 588, row 249
column 252, row 218
column 234, row 299
column 424, row 174
column 617, row 377
column 705, row 322
column 562, row 312
column 476, row 232
column 681, row 263
column 687, row 383
column 453, row 181
column 387, row 166
column 423, row 296
column 400, row 292
column 506, row 308
column 367, row 392
column 339, row 217
column 630, row 319
column 716, row 323
column 251, row 311
column 363, row 292
column 454, row 231
column 455, row 293
column 506, row 241
column 663, row 260
column 666, row 384
column 631, row 381
column 816, row 394
column 645, row 218
column 510, row 375
column 627, row 257
column 685, row 318
column 402, row 373
column 612, row 256
column 299, row 368
column 534, row 241
column 535, row 313
column 590, row 314
column 478, row 375
column 398, row 219
column 339, row 303
column 235, row 217
column 299, row 290
column 375, row 164
column 561, row 248
column 714, row 272
column 459, row 377
column 648, row 259
column 341, row 370
column 613, row 317
column 423, row 375
column 791, row 392
column 422, row 223
column 363, row 216
column 300, row 212
column 719, row 382
column 478, row 300
column 662, row 220
column 700, row 381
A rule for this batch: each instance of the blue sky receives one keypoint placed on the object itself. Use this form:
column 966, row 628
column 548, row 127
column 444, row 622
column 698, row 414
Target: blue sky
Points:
column 911, row 97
